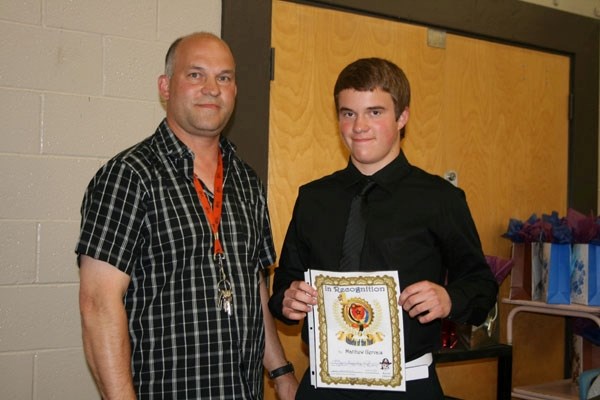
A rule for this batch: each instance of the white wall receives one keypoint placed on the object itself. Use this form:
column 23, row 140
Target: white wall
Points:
column 77, row 84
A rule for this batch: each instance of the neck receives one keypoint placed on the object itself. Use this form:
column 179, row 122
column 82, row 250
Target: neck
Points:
column 205, row 163
column 200, row 142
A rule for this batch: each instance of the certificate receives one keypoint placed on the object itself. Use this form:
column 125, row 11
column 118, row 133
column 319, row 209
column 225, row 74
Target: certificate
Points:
column 355, row 331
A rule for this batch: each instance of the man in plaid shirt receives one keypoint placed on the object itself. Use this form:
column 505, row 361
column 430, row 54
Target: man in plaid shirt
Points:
column 175, row 241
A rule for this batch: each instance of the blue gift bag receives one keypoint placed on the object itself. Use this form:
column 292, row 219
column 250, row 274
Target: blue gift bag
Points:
column 559, row 274
column 585, row 274
column 594, row 284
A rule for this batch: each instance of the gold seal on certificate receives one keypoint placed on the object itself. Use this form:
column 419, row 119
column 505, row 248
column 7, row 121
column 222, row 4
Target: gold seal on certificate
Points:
column 355, row 331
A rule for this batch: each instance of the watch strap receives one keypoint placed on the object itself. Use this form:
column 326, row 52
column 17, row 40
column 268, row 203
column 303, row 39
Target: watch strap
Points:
column 277, row 372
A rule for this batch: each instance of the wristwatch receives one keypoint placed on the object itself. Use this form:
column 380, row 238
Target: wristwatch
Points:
column 277, row 372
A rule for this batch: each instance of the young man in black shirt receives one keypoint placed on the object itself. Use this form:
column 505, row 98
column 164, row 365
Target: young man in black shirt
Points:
column 416, row 223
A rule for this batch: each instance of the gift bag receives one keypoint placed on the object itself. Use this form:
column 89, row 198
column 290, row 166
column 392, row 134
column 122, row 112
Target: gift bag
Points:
column 585, row 274
column 539, row 270
column 520, row 274
column 557, row 279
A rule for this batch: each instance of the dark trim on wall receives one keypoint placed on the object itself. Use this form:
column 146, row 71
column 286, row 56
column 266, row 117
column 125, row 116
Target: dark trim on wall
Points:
column 247, row 25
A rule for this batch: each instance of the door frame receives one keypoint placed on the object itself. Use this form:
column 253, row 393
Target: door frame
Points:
column 246, row 26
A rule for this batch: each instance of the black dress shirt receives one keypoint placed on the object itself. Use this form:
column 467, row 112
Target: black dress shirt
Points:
column 417, row 223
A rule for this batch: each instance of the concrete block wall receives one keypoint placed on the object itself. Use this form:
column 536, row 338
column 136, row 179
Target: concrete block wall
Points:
column 78, row 83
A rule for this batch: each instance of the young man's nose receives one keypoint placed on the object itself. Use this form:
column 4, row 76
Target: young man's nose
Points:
column 360, row 125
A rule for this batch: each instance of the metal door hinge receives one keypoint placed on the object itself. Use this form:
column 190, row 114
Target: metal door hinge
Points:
column 436, row 38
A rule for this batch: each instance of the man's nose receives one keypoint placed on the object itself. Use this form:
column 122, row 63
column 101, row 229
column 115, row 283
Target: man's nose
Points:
column 360, row 124
column 211, row 87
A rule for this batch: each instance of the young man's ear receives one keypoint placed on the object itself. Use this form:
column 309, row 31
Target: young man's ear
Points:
column 163, row 87
column 403, row 119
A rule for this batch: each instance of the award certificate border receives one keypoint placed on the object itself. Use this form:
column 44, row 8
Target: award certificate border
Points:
column 366, row 280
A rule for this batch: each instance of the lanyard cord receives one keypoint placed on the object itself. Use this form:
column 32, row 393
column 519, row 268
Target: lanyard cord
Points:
column 213, row 214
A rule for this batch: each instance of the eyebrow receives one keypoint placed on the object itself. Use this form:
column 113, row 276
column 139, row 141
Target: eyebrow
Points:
column 372, row 108
column 200, row 68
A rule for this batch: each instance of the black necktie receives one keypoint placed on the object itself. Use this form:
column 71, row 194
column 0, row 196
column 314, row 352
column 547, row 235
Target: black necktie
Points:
column 355, row 230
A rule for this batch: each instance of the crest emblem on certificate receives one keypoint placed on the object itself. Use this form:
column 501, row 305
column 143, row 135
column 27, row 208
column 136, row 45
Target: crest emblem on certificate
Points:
column 359, row 317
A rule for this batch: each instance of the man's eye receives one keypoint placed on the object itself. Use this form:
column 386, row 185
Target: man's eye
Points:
column 225, row 78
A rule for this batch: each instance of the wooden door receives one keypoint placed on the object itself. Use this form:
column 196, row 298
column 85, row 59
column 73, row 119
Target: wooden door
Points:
column 495, row 114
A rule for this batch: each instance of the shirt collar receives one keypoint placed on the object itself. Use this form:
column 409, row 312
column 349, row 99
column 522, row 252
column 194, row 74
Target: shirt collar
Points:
column 386, row 177
column 169, row 144
column 180, row 155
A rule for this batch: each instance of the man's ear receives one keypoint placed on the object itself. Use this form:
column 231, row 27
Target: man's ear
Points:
column 163, row 87
column 403, row 119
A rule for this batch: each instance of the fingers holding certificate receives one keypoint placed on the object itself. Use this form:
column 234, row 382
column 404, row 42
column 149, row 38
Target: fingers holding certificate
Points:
column 425, row 301
column 298, row 300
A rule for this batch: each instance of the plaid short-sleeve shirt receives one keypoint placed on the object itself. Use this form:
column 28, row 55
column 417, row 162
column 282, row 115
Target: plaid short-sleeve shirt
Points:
column 141, row 214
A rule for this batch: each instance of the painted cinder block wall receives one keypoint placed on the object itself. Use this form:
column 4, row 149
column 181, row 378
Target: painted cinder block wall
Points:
column 77, row 85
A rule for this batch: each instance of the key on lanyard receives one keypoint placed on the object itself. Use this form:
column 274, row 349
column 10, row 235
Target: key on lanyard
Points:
column 224, row 287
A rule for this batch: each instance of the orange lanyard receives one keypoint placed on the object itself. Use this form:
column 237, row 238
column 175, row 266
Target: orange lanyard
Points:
column 213, row 214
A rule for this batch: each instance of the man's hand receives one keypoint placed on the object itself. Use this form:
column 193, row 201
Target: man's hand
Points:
column 298, row 300
column 425, row 300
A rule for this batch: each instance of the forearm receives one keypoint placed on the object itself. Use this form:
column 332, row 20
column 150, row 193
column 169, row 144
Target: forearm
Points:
column 104, row 328
column 107, row 349
column 471, row 285
column 471, row 302
column 285, row 385
column 274, row 355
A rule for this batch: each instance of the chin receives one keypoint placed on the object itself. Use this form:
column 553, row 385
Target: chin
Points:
column 364, row 158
